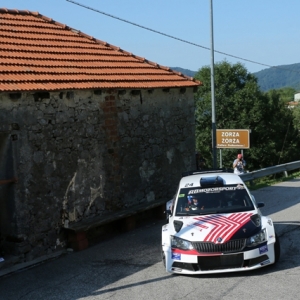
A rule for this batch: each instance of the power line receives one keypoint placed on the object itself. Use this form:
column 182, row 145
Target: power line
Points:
column 178, row 39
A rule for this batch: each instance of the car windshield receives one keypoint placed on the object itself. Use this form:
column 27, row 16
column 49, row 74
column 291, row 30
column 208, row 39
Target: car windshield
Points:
column 225, row 199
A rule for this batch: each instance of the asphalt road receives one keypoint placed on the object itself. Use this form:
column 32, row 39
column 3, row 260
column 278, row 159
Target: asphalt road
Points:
column 129, row 266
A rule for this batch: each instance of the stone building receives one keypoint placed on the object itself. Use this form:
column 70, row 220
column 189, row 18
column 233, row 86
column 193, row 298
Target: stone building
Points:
column 297, row 97
column 88, row 128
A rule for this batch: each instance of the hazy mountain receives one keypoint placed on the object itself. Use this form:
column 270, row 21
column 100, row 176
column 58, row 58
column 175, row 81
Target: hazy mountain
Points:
column 279, row 77
column 184, row 71
column 271, row 78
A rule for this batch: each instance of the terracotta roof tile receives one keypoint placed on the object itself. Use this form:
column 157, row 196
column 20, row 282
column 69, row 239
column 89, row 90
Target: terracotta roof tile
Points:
column 38, row 53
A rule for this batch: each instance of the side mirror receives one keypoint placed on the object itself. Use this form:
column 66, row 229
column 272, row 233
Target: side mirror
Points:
column 168, row 213
column 260, row 204
column 169, row 207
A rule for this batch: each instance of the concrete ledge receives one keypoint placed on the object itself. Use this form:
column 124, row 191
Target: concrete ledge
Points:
column 81, row 235
column 87, row 224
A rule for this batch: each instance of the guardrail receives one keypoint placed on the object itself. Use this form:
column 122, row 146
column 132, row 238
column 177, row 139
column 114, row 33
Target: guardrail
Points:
column 249, row 176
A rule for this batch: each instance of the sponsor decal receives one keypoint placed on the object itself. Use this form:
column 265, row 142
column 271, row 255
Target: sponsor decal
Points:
column 263, row 249
column 188, row 184
column 181, row 195
column 217, row 189
column 176, row 256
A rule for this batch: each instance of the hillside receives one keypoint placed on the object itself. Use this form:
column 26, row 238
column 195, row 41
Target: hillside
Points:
column 279, row 77
column 184, row 71
column 271, row 78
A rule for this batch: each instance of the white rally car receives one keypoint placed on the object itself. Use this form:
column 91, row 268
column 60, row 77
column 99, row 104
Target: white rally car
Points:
column 215, row 226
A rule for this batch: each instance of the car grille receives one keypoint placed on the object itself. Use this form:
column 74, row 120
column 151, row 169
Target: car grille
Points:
column 221, row 262
column 230, row 246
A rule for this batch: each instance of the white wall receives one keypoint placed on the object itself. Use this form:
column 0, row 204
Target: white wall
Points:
column 297, row 97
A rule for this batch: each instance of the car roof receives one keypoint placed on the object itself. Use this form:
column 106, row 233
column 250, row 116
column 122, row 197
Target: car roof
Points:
column 193, row 180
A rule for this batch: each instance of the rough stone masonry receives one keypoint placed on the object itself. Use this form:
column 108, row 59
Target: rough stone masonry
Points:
column 86, row 153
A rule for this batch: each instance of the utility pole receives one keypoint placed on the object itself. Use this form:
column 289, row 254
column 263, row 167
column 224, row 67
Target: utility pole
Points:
column 213, row 114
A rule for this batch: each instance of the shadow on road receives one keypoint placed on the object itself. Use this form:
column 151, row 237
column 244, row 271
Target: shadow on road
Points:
column 278, row 197
column 120, row 263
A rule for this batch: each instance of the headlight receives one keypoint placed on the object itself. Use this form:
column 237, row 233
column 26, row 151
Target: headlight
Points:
column 180, row 243
column 257, row 238
column 256, row 219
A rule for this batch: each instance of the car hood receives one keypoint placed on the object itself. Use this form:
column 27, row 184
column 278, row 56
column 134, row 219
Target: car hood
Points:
column 217, row 228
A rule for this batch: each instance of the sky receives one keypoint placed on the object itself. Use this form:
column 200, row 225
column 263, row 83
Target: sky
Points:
column 257, row 33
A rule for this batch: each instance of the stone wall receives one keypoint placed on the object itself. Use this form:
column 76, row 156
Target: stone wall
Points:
column 82, row 154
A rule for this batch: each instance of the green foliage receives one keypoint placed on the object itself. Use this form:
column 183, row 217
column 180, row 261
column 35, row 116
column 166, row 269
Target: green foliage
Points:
column 240, row 104
column 285, row 76
column 286, row 94
column 296, row 117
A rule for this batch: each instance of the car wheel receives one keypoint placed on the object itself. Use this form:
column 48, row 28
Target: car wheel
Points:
column 277, row 249
column 163, row 257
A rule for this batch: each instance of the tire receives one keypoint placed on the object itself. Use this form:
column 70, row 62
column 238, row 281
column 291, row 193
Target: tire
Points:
column 277, row 249
column 163, row 257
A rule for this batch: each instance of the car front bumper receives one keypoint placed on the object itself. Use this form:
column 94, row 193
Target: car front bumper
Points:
column 179, row 262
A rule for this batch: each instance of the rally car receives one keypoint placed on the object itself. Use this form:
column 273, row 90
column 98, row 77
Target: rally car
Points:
column 216, row 226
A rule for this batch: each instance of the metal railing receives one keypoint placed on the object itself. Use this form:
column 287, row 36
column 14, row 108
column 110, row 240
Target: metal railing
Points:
column 249, row 176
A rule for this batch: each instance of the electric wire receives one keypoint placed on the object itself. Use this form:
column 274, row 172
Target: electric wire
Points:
column 179, row 39
column 193, row 44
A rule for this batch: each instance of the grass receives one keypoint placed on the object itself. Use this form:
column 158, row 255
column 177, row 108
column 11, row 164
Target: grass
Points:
column 270, row 180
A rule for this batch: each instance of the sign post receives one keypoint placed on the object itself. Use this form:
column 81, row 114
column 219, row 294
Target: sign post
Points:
column 233, row 138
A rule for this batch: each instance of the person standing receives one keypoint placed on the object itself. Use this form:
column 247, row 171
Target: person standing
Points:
column 239, row 165
column 2, row 182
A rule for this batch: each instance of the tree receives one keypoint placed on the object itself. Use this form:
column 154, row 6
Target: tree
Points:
column 296, row 117
column 239, row 104
column 286, row 94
